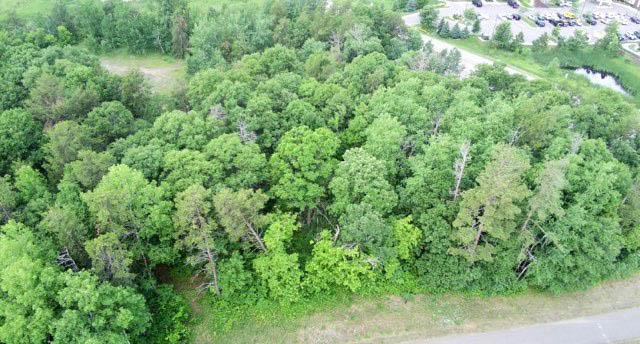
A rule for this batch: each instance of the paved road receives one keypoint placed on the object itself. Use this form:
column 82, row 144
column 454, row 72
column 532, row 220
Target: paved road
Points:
column 621, row 326
column 469, row 60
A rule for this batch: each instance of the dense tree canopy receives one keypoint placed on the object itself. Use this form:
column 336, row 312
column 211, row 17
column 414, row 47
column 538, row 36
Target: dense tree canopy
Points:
column 313, row 150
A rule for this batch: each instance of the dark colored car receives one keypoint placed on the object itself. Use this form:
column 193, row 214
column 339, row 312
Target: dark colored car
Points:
column 635, row 20
column 591, row 21
column 637, row 33
column 516, row 16
column 540, row 23
column 513, row 3
column 477, row 3
column 553, row 22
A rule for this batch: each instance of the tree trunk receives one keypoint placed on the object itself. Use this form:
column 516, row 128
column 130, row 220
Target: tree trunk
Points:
column 214, row 271
column 256, row 236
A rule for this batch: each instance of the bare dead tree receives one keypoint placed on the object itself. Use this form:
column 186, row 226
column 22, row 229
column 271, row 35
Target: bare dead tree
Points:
column 576, row 142
column 514, row 136
column 436, row 125
column 217, row 112
column 208, row 258
column 336, row 41
column 459, row 166
column 65, row 260
column 246, row 135
column 336, row 227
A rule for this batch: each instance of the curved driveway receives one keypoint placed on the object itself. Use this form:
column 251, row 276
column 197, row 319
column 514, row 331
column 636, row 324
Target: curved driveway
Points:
column 469, row 60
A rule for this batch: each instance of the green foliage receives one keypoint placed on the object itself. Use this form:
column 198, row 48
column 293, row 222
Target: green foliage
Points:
column 428, row 17
column 108, row 122
column 243, row 164
column 278, row 270
column 127, row 205
column 28, row 286
column 169, row 316
column 302, row 165
column 42, row 303
column 407, row 237
column 339, row 115
column 360, row 179
column 98, row 312
column 20, row 136
column 240, row 215
column 610, row 43
column 502, row 36
column 332, row 267
column 487, row 212
column 64, row 141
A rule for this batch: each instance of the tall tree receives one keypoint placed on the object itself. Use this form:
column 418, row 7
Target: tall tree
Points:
column 196, row 233
column 240, row 214
column 488, row 212
column 359, row 179
column 280, row 271
column 126, row 204
column 243, row 165
column 64, row 140
column 20, row 137
column 180, row 30
column 302, row 166
column 384, row 139
column 110, row 259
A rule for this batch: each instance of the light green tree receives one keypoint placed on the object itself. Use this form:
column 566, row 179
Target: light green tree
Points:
column 488, row 212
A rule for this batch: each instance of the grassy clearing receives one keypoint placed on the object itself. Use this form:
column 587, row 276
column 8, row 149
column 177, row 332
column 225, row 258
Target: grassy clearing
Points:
column 162, row 71
column 24, row 8
column 394, row 318
column 32, row 8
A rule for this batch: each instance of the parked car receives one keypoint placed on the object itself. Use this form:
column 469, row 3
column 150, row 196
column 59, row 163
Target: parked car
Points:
column 637, row 34
column 591, row 21
column 477, row 3
column 516, row 16
column 635, row 20
column 540, row 23
column 513, row 3
column 569, row 15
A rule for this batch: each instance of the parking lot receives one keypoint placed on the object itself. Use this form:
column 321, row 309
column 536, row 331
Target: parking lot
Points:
column 492, row 13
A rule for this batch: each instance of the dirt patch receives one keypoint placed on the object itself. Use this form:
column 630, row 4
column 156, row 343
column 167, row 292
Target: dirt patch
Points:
column 160, row 77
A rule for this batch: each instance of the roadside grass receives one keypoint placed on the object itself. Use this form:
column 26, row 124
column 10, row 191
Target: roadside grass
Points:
column 623, row 68
column 520, row 61
column 163, row 72
column 391, row 318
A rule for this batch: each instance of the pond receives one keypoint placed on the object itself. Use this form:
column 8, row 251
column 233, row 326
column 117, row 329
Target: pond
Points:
column 602, row 79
